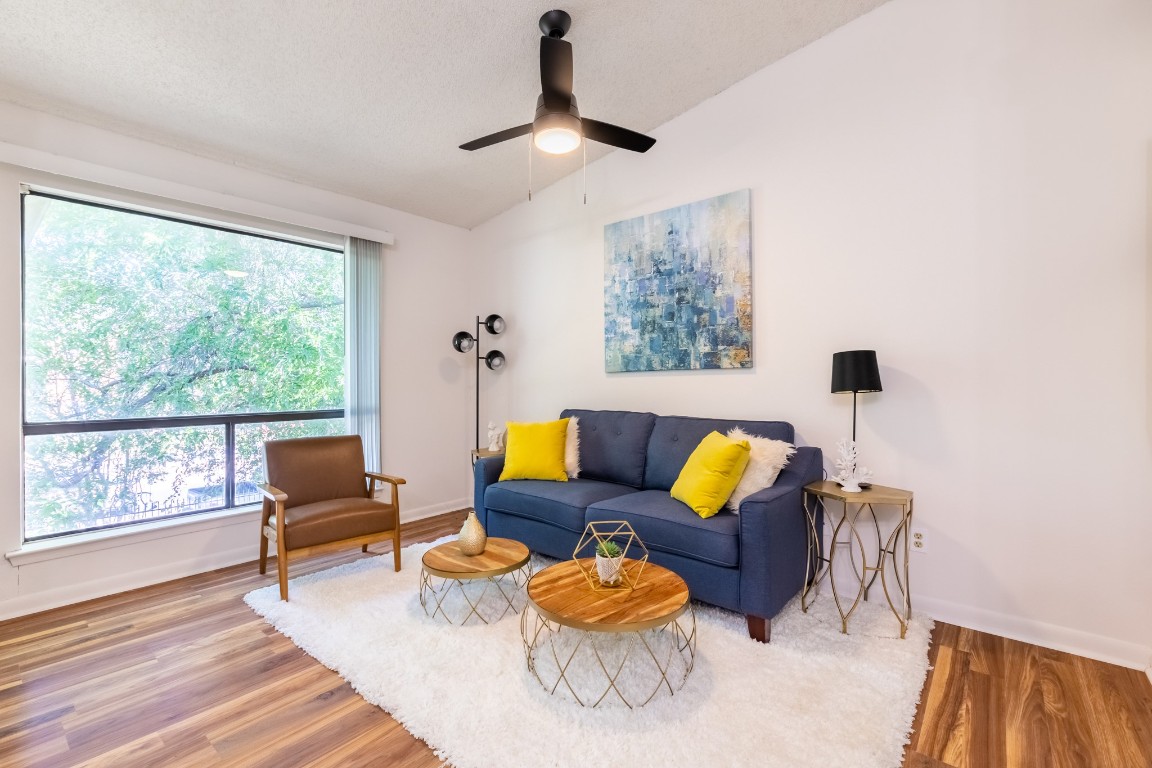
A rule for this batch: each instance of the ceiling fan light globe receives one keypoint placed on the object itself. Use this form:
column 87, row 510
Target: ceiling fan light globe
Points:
column 557, row 141
column 556, row 133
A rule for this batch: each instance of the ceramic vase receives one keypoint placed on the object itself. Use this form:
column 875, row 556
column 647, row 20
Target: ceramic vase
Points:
column 608, row 569
column 472, row 538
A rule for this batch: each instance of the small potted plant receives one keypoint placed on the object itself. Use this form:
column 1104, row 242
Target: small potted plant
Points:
column 609, row 558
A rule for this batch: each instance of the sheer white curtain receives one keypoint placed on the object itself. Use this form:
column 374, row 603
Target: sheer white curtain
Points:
column 362, row 341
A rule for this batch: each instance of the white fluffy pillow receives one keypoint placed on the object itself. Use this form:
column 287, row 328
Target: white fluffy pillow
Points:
column 767, row 459
column 572, row 448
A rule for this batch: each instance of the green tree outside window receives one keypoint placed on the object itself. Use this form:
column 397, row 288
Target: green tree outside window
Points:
column 132, row 316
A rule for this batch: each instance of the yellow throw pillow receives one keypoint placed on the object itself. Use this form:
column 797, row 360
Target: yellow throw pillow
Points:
column 711, row 473
column 535, row 451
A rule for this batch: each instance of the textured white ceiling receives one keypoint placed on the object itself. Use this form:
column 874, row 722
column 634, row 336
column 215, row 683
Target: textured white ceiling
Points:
column 371, row 98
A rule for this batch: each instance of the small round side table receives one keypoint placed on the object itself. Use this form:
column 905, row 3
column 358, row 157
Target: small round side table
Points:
column 448, row 578
column 609, row 644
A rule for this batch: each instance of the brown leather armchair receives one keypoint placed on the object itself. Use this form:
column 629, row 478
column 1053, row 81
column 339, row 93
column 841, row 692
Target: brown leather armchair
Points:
column 318, row 497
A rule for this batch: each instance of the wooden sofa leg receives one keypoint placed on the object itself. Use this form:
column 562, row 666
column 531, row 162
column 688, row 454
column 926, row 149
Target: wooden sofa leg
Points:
column 759, row 629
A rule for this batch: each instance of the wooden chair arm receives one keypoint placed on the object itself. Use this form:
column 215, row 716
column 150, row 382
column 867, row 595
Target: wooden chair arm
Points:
column 386, row 478
column 272, row 493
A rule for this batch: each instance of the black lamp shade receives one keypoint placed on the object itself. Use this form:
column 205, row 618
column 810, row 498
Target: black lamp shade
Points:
column 494, row 360
column 494, row 323
column 463, row 341
column 855, row 371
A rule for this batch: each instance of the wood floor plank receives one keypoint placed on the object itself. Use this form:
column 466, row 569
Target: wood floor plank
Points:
column 1118, row 704
column 917, row 760
column 953, row 713
column 1045, row 719
column 185, row 674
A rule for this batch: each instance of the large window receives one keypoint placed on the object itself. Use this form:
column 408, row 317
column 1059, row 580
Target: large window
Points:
column 159, row 354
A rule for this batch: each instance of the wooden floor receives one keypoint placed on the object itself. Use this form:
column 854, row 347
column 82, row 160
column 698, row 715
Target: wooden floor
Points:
column 184, row 674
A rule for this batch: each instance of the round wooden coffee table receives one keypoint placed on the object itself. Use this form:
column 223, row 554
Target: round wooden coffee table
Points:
column 637, row 642
column 458, row 587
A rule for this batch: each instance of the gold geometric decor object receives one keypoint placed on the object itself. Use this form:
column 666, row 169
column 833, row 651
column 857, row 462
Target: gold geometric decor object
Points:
column 617, row 532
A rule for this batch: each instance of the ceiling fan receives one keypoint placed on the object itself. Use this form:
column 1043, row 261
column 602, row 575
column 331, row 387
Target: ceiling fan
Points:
column 558, row 127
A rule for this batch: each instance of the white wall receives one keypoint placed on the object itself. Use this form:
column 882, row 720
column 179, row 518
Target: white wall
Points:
column 427, row 408
column 962, row 185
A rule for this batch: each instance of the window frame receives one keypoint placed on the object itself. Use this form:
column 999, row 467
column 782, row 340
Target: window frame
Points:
column 228, row 420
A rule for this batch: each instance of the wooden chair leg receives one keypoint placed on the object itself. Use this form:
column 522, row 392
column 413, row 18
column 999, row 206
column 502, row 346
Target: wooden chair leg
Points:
column 396, row 547
column 265, row 514
column 282, row 569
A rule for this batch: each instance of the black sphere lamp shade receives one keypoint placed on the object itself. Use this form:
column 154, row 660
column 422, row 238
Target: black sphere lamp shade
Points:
column 463, row 341
column 494, row 324
column 494, row 360
column 855, row 371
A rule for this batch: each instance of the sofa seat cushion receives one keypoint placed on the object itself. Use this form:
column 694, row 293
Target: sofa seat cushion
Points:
column 668, row 525
column 322, row 522
column 560, row 504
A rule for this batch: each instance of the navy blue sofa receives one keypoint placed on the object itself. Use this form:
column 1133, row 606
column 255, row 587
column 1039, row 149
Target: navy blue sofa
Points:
column 752, row 563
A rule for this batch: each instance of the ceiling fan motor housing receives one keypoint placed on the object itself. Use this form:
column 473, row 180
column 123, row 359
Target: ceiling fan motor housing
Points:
column 542, row 110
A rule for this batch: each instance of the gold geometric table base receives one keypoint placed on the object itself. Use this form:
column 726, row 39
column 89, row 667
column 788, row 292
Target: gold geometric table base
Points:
column 601, row 667
column 486, row 599
column 867, row 562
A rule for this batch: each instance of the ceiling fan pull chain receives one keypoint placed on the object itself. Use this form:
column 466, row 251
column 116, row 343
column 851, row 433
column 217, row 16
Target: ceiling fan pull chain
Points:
column 529, row 168
column 585, row 172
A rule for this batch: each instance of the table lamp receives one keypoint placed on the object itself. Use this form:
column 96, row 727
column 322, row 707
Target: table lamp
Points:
column 854, row 371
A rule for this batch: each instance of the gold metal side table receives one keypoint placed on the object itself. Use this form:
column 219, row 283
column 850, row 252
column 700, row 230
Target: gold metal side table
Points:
column 446, row 576
column 893, row 551
column 484, row 453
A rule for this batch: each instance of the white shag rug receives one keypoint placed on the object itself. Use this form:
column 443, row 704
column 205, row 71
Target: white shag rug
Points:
column 812, row 697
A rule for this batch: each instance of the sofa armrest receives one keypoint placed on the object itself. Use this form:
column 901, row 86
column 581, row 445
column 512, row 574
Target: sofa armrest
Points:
column 485, row 472
column 774, row 537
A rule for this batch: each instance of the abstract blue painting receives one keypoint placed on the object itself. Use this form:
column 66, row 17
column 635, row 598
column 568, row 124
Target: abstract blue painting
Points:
column 678, row 288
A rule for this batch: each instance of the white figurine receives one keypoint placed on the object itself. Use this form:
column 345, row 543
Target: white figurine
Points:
column 495, row 437
column 850, row 476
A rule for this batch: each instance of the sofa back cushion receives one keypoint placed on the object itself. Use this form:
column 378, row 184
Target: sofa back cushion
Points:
column 614, row 444
column 675, row 437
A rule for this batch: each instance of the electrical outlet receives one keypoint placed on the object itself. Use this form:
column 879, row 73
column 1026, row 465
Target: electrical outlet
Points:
column 919, row 540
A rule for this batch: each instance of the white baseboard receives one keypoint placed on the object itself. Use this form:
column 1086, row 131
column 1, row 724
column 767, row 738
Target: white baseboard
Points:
column 78, row 592
column 432, row 510
column 91, row 588
column 1099, row 647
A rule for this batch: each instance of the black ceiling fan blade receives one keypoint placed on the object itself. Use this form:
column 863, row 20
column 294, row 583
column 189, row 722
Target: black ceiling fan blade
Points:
column 606, row 133
column 496, row 138
column 556, row 73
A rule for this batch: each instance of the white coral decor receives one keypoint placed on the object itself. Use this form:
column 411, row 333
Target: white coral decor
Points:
column 850, row 476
